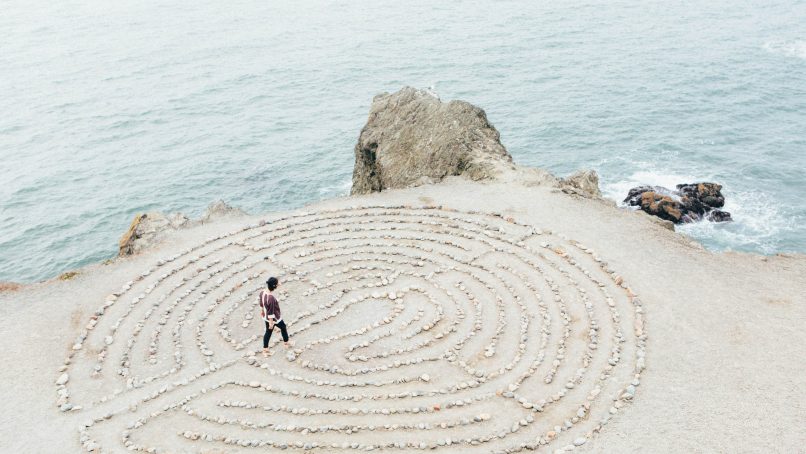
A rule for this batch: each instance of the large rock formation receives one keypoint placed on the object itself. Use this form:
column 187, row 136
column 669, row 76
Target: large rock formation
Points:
column 413, row 138
column 688, row 203
column 147, row 228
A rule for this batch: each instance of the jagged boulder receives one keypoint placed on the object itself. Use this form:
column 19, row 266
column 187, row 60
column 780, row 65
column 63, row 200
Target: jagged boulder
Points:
column 688, row 203
column 147, row 229
column 220, row 209
column 413, row 138
column 706, row 194
column 582, row 182
column 718, row 216
column 634, row 194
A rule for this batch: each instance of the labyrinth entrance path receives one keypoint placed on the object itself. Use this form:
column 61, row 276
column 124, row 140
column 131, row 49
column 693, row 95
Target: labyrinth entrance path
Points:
column 414, row 328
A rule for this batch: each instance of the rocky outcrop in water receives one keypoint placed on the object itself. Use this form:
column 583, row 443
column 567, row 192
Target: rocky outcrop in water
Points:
column 147, row 229
column 688, row 203
column 412, row 138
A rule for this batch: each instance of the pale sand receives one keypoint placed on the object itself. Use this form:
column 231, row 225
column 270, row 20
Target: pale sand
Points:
column 725, row 344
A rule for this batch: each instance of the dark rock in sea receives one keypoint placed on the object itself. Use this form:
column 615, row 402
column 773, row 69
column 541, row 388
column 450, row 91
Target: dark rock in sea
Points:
column 688, row 203
column 634, row 195
column 412, row 138
column 662, row 206
column 718, row 216
column 709, row 194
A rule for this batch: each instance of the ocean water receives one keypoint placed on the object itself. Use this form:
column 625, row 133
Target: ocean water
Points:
column 113, row 108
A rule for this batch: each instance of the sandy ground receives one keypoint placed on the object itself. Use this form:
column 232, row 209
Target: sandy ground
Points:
column 723, row 334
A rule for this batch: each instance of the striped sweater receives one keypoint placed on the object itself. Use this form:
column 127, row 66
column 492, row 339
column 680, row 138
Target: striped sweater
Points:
column 269, row 307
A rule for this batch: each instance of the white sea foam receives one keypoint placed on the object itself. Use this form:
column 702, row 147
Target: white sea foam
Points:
column 759, row 224
column 337, row 190
column 759, row 221
column 789, row 48
column 617, row 190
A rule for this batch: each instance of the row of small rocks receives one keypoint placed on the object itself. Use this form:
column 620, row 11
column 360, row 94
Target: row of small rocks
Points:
column 426, row 259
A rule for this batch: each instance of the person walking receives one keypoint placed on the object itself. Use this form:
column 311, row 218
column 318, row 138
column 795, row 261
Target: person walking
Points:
column 271, row 315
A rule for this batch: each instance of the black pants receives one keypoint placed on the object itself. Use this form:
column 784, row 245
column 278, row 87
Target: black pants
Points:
column 267, row 335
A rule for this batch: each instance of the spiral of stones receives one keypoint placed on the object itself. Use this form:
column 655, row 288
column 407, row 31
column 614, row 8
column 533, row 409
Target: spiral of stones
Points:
column 413, row 327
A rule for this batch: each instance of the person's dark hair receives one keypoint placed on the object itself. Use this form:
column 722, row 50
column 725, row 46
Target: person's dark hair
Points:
column 272, row 283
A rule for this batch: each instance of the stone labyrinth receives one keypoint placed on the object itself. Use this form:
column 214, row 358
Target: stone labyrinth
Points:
column 414, row 329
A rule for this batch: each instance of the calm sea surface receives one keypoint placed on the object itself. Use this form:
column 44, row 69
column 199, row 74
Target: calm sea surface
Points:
column 112, row 108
